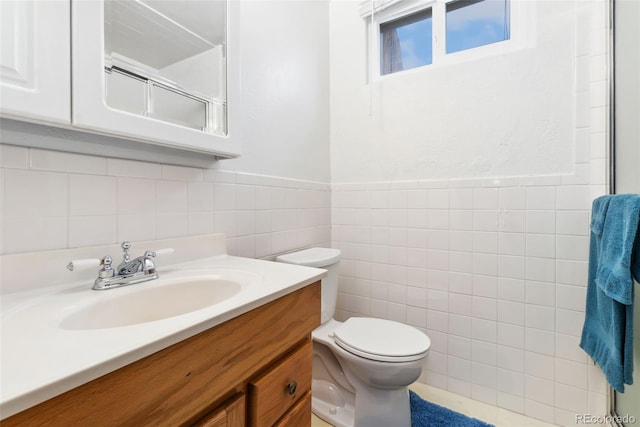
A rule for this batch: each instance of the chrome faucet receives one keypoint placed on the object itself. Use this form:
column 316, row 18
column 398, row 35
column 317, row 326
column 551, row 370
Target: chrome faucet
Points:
column 128, row 272
column 142, row 264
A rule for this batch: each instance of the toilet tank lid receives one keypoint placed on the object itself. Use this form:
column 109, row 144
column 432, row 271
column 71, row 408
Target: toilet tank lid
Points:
column 312, row 257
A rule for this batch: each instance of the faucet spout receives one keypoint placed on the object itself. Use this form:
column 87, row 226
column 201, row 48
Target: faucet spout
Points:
column 142, row 264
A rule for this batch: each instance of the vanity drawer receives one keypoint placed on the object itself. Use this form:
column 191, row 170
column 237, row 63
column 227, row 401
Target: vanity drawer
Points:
column 278, row 389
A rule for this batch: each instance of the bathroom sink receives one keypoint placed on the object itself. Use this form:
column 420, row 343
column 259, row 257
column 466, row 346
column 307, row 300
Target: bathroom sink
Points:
column 156, row 300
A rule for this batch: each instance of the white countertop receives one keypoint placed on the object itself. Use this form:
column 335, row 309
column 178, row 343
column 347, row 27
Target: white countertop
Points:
column 40, row 359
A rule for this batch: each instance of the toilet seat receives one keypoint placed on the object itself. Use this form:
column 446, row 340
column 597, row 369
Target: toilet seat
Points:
column 312, row 257
column 381, row 340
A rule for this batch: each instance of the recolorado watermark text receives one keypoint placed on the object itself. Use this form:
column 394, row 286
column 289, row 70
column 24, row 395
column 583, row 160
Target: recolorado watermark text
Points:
column 605, row 419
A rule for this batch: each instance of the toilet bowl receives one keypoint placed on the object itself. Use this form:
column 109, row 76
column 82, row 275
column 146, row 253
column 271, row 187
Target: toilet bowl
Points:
column 361, row 367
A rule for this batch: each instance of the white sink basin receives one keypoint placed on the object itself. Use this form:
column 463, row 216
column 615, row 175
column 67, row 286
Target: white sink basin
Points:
column 156, row 300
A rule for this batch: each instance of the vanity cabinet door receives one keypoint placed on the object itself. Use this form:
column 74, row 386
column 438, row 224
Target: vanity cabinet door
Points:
column 299, row 415
column 35, row 60
column 232, row 414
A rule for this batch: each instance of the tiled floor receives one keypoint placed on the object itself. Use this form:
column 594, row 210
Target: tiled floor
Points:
column 491, row 414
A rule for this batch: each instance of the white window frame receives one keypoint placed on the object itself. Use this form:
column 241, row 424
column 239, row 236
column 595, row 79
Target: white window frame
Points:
column 521, row 31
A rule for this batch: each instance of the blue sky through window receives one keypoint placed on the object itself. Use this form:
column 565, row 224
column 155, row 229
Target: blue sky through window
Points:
column 415, row 43
column 472, row 23
column 406, row 42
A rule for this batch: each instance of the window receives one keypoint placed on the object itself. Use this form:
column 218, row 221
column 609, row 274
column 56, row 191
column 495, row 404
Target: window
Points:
column 474, row 23
column 414, row 33
column 405, row 43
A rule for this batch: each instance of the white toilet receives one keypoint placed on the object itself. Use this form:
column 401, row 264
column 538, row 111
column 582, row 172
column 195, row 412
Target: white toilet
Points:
column 362, row 367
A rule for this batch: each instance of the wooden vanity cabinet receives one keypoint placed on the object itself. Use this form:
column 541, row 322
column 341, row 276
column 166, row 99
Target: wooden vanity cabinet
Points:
column 241, row 372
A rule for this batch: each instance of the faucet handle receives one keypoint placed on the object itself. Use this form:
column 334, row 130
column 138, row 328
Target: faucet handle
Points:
column 153, row 254
column 81, row 264
column 146, row 263
column 125, row 249
column 107, row 269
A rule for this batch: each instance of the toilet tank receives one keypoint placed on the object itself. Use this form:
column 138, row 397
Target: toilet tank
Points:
column 328, row 259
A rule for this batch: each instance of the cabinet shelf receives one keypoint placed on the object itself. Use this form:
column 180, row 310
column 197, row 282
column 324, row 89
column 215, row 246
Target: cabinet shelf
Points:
column 137, row 30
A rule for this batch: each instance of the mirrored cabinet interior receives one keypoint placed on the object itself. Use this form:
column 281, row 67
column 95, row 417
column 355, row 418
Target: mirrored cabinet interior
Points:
column 147, row 70
column 155, row 52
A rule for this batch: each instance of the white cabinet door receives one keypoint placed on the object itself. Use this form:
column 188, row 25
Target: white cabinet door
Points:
column 35, row 73
column 96, row 111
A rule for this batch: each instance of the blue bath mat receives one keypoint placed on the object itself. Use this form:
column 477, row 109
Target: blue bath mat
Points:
column 427, row 414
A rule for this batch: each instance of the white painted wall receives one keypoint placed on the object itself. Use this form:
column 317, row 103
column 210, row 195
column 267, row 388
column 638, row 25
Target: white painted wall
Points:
column 507, row 115
column 285, row 89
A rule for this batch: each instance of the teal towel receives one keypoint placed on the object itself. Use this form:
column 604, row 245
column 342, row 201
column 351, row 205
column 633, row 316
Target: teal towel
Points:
column 614, row 259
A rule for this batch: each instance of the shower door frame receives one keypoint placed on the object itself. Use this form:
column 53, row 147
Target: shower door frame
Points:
column 615, row 418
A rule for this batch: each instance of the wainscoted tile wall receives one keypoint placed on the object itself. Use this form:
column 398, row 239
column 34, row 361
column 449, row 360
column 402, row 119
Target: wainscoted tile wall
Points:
column 54, row 200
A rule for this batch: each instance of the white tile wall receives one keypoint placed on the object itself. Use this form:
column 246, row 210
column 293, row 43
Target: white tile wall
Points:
column 498, row 273
column 55, row 200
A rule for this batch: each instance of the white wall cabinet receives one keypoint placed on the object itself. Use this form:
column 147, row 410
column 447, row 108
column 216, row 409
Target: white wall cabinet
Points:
column 35, row 79
column 43, row 81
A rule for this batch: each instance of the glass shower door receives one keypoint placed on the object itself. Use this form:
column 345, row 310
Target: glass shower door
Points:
column 627, row 159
